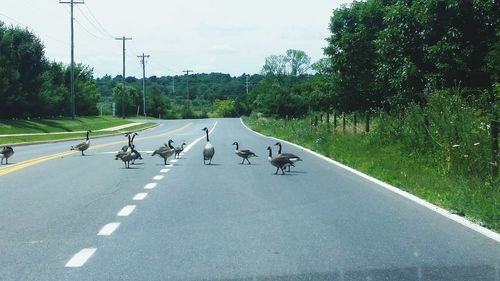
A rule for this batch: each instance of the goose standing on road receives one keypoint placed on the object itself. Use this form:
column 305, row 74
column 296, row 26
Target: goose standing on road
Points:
column 136, row 154
column 294, row 158
column 243, row 153
column 208, row 150
column 84, row 145
column 6, row 153
column 165, row 151
column 280, row 162
column 179, row 149
column 126, row 154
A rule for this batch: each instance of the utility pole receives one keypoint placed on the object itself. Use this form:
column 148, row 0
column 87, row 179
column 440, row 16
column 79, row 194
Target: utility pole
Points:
column 143, row 81
column 247, row 85
column 72, row 78
column 123, row 39
column 187, row 84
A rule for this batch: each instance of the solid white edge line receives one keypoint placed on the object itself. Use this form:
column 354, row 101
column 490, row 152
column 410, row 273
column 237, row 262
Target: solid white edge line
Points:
column 164, row 170
column 126, row 211
column 108, row 229
column 187, row 148
column 158, row 177
column 150, row 185
column 140, row 196
column 81, row 257
column 461, row 220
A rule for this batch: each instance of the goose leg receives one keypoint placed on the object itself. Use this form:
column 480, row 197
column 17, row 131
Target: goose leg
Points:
column 82, row 153
column 282, row 171
column 276, row 171
column 248, row 161
column 243, row 161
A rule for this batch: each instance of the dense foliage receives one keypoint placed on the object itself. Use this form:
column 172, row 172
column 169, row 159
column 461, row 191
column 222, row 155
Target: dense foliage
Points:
column 33, row 86
column 213, row 94
column 388, row 53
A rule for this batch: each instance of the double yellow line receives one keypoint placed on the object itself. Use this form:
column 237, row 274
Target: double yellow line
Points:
column 4, row 170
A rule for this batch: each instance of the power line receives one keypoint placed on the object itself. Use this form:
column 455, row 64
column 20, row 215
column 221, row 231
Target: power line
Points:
column 187, row 84
column 123, row 39
column 83, row 27
column 72, row 80
column 33, row 30
column 98, row 23
column 143, row 81
column 93, row 25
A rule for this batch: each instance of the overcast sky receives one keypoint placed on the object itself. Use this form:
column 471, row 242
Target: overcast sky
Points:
column 229, row 36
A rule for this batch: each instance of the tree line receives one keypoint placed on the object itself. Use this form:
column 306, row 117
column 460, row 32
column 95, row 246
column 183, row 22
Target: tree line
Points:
column 388, row 54
column 33, row 86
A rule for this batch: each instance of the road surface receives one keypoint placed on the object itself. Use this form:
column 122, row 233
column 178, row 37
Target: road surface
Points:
column 68, row 217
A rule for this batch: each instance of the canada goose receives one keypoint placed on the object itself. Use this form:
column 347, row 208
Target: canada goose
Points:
column 208, row 150
column 178, row 150
column 294, row 158
column 126, row 156
column 279, row 161
column 84, row 145
column 243, row 153
column 136, row 154
column 165, row 151
column 6, row 153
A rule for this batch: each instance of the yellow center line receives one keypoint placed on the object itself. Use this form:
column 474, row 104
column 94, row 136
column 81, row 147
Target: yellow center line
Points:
column 28, row 163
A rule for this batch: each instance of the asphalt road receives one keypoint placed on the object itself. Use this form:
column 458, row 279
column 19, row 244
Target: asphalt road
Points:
column 225, row 221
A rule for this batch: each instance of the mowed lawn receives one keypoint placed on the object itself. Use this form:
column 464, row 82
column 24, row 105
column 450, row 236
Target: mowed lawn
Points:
column 64, row 125
column 59, row 125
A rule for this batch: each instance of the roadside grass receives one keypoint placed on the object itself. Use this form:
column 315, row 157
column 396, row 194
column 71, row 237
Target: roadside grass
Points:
column 18, row 140
column 59, row 124
column 464, row 194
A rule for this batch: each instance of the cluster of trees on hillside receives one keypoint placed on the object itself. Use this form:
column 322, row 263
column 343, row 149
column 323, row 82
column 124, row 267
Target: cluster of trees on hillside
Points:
column 167, row 96
column 32, row 86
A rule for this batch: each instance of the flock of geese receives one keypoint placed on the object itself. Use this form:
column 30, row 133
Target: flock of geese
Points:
column 128, row 153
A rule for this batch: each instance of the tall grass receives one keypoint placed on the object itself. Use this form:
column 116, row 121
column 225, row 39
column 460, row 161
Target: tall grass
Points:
column 443, row 160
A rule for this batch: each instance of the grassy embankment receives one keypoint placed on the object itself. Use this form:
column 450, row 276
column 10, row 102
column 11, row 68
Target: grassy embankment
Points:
column 465, row 194
column 64, row 125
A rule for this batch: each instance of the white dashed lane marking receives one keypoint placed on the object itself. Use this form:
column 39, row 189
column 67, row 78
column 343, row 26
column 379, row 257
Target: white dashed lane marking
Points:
column 164, row 170
column 150, row 185
column 81, row 257
column 157, row 178
column 108, row 229
column 125, row 211
column 140, row 196
column 174, row 160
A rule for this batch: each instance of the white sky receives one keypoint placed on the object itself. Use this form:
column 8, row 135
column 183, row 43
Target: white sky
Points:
column 229, row 36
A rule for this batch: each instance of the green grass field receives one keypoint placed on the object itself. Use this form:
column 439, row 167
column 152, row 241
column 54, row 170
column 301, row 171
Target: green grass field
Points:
column 467, row 195
column 59, row 125
column 63, row 125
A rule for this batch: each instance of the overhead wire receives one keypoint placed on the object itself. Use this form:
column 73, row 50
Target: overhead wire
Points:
column 34, row 30
column 98, row 22
column 91, row 23
column 83, row 27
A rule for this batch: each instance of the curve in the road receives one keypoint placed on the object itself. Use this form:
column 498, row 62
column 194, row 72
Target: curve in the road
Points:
column 30, row 162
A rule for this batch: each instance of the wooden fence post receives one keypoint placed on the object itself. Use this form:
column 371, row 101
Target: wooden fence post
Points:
column 494, row 126
column 343, row 122
column 367, row 121
column 328, row 119
column 355, row 122
column 315, row 120
column 334, row 120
